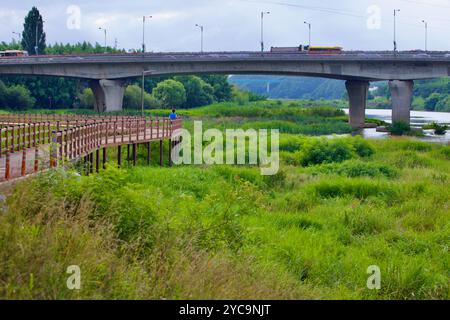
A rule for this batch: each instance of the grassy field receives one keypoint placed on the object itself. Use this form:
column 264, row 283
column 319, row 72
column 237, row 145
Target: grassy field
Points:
column 336, row 207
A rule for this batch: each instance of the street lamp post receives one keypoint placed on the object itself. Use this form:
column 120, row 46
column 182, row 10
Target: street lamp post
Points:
column 36, row 48
column 309, row 30
column 18, row 35
column 144, row 72
column 262, row 29
column 143, row 32
column 104, row 30
column 426, row 34
column 395, row 29
column 201, row 42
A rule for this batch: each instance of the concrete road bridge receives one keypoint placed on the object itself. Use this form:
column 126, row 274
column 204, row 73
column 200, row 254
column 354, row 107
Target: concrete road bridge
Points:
column 108, row 73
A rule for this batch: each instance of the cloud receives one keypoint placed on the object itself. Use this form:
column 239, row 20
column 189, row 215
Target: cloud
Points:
column 235, row 24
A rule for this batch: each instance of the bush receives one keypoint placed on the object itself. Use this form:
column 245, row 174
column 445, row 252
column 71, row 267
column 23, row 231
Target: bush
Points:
column 318, row 151
column 133, row 100
column 439, row 129
column 86, row 99
column 358, row 168
column 399, row 128
column 15, row 97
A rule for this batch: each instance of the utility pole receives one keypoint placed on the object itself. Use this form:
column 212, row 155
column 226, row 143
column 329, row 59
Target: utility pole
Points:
column 426, row 34
column 143, row 31
column 395, row 29
column 262, row 29
column 309, row 35
column 201, row 34
column 104, row 30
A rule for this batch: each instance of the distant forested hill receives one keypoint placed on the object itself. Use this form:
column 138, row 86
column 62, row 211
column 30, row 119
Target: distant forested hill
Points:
column 283, row 87
column 430, row 95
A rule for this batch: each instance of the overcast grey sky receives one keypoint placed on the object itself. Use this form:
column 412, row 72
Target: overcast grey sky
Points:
column 235, row 24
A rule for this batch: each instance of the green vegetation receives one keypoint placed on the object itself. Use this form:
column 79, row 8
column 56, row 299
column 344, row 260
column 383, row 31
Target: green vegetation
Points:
column 438, row 128
column 16, row 96
column 399, row 128
column 336, row 207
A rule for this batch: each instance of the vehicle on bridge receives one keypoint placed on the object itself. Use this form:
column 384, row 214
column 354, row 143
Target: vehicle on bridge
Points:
column 13, row 53
column 308, row 50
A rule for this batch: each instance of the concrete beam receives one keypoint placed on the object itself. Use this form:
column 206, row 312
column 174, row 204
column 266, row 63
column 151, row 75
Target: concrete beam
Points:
column 402, row 96
column 357, row 97
column 108, row 94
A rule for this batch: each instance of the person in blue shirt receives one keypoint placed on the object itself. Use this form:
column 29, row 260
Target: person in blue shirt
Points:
column 173, row 115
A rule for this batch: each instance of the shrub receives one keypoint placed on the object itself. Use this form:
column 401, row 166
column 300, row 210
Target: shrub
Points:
column 86, row 99
column 362, row 147
column 439, row 129
column 133, row 100
column 318, row 151
column 17, row 97
column 399, row 128
column 358, row 168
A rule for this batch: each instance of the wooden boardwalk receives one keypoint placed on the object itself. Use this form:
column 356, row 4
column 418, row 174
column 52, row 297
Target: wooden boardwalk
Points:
column 31, row 143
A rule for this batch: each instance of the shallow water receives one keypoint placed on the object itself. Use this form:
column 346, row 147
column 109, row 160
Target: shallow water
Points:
column 418, row 119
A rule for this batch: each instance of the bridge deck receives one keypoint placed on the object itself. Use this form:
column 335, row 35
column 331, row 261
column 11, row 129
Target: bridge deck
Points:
column 26, row 145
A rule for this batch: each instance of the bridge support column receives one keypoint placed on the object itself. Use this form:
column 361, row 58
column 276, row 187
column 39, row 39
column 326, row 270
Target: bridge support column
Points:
column 108, row 94
column 357, row 97
column 402, row 96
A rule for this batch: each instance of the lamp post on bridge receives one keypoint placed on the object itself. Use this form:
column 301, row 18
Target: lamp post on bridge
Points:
column 201, row 31
column 36, row 47
column 309, row 35
column 426, row 34
column 262, row 29
column 104, row 30
column 143, row 31
column 395, row 29
column 18, row 35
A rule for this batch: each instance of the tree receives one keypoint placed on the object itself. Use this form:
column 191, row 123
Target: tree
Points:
column 171, row 93
column 198, row 92
column 132, row 99
column 431, row 101
column 221, row 86
column 33, row 33
column 15, row 97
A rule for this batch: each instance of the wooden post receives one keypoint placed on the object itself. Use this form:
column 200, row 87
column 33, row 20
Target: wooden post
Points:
column 148, row 153
column 7, row 166
column 97, row 160
column 170, row 152
column 104, row 158
column 53, row 150
column 91, row 162
column 134, row 153
column 119, row 156
column 36, row 159
column 23, row 170
column 160, row 153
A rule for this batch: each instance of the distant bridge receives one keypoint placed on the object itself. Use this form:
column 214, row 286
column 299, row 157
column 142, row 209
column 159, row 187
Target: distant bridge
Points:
column 108, row 72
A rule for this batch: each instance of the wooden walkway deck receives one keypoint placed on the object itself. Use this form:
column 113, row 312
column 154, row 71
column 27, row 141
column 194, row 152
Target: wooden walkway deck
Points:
column 31, row 143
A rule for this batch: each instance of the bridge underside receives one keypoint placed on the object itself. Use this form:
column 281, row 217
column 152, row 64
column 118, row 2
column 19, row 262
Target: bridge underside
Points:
column 108, row 85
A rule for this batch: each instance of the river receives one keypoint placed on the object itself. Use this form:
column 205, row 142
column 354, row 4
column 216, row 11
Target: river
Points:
column 418, row 119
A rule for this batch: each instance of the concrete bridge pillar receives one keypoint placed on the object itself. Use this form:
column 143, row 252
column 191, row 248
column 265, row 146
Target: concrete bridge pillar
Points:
column 402, row 96
column 108, row 94
column 357, row 97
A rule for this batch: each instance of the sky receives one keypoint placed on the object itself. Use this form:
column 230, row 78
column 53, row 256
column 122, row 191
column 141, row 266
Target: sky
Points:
column 234, row 25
